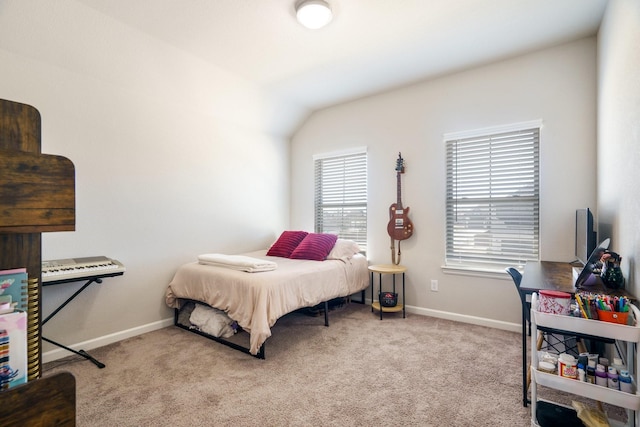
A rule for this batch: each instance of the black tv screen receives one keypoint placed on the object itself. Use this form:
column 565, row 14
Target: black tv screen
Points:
column 585, row 235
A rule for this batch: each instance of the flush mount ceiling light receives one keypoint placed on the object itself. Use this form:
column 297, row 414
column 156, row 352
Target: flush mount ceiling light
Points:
column 313, row 14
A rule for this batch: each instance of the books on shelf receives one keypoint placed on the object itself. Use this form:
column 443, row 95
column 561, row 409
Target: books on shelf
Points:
column 13, row 327
column 13, row 290
column 13, row 349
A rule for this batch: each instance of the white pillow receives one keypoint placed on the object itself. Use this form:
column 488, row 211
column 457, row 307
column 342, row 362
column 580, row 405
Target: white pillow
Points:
column 343, row 250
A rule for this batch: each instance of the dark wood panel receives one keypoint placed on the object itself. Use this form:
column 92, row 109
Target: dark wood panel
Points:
column 19, row 127
column 36, row 191
column 48, row 401
column 21, row 250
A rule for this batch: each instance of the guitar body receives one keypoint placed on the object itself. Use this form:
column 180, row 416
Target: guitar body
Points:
column 400, row 226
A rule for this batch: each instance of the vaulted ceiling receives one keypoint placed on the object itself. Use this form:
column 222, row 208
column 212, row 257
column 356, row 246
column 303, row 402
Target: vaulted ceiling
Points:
column 370, row 46
column 251, row 63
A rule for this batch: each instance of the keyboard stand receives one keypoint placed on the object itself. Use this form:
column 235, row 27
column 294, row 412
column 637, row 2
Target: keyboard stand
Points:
column 90, row 280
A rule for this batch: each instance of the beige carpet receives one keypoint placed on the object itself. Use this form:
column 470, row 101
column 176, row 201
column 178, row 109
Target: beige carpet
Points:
column 360, row 371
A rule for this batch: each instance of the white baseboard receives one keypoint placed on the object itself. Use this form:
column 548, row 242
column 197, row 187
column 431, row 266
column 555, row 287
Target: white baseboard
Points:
column 481, row 321
column 56, row 354
column 457, row 317
column 59, row 353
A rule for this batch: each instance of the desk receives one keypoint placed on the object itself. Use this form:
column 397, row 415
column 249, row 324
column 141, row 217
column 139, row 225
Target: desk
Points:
column 556, row 276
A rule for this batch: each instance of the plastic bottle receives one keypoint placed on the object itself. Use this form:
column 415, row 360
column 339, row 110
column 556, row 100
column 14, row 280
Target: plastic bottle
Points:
column 591, row 372
column 612, row 378
column 617, row 363
column 581, row 374
column 582, row 368
column 625, row 381
column 601, row 375
column 583, row 359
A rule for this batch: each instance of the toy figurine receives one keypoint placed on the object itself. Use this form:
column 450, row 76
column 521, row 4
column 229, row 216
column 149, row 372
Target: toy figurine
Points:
column 611, row 273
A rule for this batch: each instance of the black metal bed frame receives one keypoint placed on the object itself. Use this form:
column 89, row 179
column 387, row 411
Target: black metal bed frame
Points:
column 235, row 346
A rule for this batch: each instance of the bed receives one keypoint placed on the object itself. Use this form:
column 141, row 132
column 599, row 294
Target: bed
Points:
column 305, row 277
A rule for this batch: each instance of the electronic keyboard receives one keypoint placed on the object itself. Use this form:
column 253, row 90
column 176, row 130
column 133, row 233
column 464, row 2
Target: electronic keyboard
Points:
column 77, row 269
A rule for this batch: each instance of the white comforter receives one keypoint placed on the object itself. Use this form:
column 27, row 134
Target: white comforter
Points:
column 256, row 301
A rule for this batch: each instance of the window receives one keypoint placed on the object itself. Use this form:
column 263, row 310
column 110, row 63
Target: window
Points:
column 492, row 205
column 341, row 195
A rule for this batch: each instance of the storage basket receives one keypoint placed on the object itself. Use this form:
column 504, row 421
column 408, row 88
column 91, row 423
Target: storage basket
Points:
column 613, row 316
column 388, row 299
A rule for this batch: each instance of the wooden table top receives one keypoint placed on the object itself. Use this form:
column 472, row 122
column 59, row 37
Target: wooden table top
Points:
column 547, row 275
column 558, row 276
column 387, row 268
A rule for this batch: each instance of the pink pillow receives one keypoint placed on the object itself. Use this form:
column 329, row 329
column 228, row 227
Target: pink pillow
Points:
column 286, row 243
column 315, row 246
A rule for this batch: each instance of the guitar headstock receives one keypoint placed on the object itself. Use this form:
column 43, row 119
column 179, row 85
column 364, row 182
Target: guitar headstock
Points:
column 400, row 164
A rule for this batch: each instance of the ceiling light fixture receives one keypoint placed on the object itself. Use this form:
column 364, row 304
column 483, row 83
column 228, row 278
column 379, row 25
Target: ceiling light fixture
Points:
column 313, row 14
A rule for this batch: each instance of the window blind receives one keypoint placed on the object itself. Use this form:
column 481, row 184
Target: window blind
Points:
column 492, row 201
column 341, row 196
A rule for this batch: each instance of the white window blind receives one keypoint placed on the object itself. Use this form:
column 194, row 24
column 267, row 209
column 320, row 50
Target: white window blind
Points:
column 341, row 196
column 492, row 203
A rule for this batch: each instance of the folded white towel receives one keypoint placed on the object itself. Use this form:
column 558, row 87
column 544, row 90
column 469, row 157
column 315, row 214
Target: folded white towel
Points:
column 237, row 262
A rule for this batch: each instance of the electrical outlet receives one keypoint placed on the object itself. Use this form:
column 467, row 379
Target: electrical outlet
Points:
column 434, row 285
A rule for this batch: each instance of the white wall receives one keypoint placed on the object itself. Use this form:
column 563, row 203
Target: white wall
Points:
column 173, row 158
column 556, row 85
column 619, row 134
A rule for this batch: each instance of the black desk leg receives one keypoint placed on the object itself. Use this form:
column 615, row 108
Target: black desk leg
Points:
column 525, row 400
column 372, row 300
column 404, row 306
column 380, row 291
column 60, row 307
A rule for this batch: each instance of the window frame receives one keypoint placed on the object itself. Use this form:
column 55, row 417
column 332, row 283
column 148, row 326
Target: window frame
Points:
column 359, row 174
column 470, row 262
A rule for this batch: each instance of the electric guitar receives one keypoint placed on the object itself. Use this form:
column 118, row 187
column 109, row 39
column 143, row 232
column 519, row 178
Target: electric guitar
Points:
column 400, row 226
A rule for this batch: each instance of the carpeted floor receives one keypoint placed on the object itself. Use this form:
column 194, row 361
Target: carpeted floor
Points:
column 360, row 371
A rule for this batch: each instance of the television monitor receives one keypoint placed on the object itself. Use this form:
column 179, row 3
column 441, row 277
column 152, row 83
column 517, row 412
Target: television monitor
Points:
column 585, row 278
column 585, row 241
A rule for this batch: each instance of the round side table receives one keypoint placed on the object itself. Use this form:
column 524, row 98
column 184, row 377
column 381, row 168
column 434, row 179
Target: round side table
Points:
column 383, row 269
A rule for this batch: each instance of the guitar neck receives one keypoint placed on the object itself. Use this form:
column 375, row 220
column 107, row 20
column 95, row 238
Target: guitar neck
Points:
column 399, row 189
